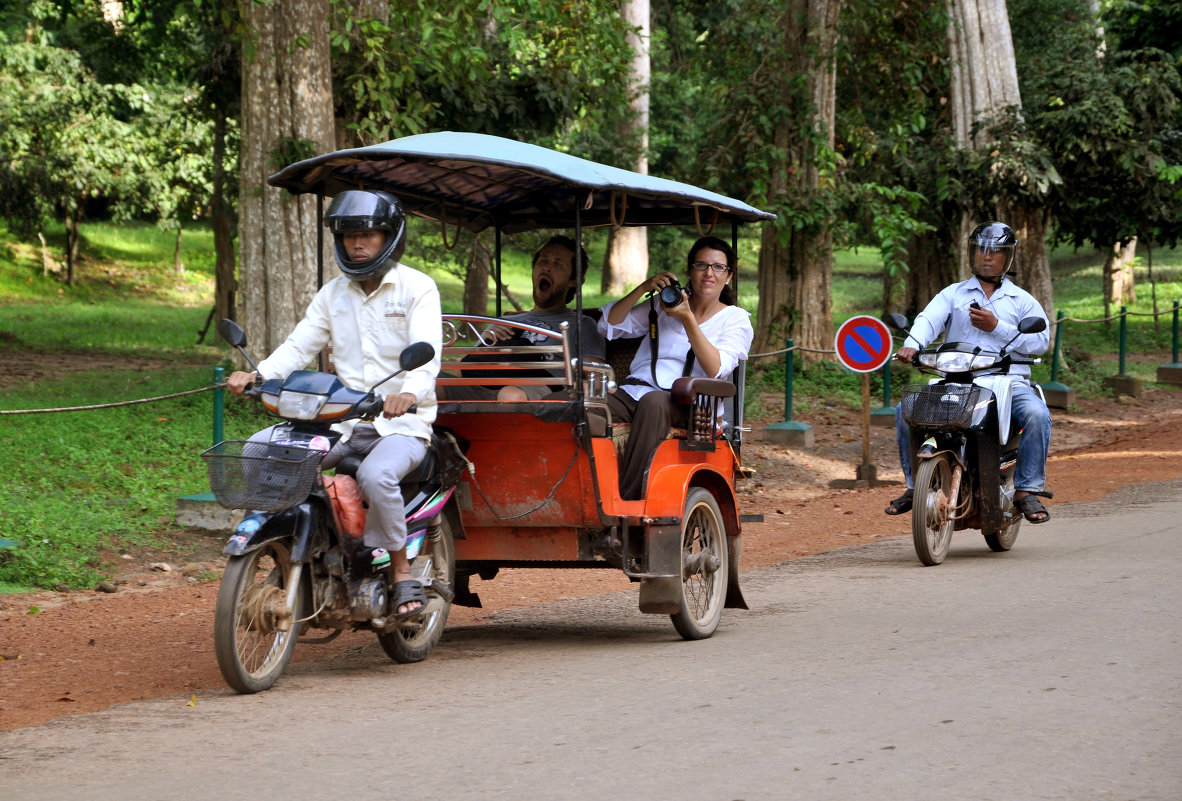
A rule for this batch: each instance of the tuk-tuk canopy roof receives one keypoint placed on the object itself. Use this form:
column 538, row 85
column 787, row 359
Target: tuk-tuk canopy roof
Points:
column 477, row 181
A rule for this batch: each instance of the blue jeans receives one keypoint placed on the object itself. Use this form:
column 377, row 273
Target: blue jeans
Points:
column 1029, row 414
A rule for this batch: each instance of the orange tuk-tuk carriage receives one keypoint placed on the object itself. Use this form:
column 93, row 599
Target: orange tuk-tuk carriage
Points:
column 542, row 486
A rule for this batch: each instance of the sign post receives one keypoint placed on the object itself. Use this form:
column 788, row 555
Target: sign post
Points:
column 863, row 344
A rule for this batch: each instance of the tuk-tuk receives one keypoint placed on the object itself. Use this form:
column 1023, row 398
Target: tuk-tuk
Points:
column 542, row 486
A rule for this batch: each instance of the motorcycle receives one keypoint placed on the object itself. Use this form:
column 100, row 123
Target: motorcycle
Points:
column 964, row 449
column 297, row 559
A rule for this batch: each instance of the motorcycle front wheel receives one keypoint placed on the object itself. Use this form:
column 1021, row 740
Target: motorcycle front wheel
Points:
column 933, row 513
column 254, row 633
column 417, row 637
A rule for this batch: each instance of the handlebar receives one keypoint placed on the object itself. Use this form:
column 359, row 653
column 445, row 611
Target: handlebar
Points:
column 368, row 410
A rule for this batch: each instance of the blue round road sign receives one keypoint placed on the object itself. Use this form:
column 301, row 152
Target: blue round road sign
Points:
column 863, row 344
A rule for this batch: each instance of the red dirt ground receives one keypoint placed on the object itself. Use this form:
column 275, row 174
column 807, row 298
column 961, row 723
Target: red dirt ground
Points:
column 85, row 651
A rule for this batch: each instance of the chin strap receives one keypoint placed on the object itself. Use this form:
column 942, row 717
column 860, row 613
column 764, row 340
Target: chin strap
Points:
column 995, row 281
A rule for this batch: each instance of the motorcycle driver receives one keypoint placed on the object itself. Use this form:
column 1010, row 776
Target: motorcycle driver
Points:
column 985, row 311
column 369, row 314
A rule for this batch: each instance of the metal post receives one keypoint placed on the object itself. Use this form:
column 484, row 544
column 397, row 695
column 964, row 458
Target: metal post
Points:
column 788, row 381
column 1124, row 335
column 219, row 404
column 1058, row 396
column 790, row 432
column 1175, row 332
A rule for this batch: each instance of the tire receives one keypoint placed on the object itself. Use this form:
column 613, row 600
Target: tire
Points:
column 704, row 568
column 252, row 650
column 414, row 639
column 932, row 518
column 1005, row 538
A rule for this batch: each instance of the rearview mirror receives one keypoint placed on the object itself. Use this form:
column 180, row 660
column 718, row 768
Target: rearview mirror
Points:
column 1032, row 325
column 232, row 332
column 896, row 321
column 415, row 355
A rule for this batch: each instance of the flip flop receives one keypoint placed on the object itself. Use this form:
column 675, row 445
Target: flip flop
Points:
column 901, row 504
column 407, row 592
column 1030, row 505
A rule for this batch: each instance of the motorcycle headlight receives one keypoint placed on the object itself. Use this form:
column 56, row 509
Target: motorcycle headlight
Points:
column 300, row 405
column 957, row 362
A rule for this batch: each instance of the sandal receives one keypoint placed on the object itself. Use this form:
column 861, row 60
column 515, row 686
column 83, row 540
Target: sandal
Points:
column 407, row 592
column 901, row 504
column 1030, row 506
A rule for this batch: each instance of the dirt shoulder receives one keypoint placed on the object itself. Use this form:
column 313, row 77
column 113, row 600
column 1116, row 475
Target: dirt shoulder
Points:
column 83, row 652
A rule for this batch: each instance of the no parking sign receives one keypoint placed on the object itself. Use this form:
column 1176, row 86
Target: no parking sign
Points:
column 863, row 344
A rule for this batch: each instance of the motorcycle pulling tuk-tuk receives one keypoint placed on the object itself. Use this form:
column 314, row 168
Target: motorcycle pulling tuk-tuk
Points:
column 541, row 489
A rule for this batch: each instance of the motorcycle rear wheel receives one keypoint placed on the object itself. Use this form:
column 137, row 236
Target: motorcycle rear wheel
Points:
column 932, row 516
column 1004, row 539
column 252, row 647
column 704, row 568
column 418, row 636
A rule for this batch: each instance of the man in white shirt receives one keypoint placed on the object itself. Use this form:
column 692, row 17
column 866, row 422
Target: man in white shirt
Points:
column 985, row 310
column 369, row 314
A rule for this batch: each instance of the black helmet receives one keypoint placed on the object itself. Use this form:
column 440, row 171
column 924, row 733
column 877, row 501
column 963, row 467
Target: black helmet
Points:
column 356, row 210
column 993, row 236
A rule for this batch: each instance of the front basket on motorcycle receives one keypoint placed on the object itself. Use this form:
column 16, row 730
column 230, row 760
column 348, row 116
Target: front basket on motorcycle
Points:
column 261, row 475
column 943, row 406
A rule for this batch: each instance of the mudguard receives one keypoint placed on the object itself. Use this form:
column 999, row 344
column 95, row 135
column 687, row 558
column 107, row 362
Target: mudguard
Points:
column 294, row 523
column 660, row 590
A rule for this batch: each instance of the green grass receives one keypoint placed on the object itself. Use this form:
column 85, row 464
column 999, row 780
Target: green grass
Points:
column 82, row 487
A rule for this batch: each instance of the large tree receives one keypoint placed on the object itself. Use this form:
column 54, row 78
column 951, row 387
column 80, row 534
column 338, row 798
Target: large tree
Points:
column 626, row 262
column 1014, row 175
column 286, row 115
column 779, row 123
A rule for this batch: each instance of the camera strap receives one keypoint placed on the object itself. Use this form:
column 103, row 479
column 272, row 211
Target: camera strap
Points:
column 653, row 342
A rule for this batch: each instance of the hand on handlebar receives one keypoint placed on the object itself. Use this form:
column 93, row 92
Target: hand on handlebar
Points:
column 400, row 404
column 238, row 381
column 906, row 355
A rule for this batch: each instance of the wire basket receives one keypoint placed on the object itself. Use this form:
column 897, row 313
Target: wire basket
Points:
column 945, row 406
column 261, row 475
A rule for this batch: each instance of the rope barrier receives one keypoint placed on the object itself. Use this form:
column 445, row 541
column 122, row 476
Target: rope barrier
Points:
column 111, row 405
column 786, row 350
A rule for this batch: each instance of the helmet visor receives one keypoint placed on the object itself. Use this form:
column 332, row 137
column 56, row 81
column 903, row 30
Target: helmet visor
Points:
column 353, row 211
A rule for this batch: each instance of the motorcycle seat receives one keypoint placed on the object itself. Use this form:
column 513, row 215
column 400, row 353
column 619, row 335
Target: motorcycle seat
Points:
column 349, row 465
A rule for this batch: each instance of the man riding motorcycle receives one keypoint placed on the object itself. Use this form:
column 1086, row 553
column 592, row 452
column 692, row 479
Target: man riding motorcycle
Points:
column 985, row 311
column 368, row 315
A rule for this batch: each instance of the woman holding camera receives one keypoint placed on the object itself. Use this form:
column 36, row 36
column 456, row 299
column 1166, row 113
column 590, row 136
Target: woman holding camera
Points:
column 698, row 331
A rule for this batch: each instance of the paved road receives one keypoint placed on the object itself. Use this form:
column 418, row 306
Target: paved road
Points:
column 1051, row 672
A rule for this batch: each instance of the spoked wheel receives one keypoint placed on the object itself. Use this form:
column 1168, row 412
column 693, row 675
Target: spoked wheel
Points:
column 933, row 513
column 435, row 565
column 704, row 567
column 1004, row 539
column 254, row 633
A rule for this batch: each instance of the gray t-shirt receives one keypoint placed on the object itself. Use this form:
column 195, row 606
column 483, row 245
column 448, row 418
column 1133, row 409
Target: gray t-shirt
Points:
column 594, row 345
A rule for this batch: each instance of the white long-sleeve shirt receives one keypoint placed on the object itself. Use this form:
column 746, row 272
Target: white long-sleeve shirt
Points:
column 729, row 330
column 367, row 334
column 948, row 314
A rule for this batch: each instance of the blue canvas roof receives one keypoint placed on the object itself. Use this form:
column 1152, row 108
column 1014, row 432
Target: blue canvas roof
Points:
column 477, row 181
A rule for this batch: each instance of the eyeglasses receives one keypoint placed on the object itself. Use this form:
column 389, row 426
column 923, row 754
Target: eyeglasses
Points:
column 701, row 266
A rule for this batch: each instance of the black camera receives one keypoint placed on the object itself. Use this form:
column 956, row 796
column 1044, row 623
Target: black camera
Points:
column 671, row 295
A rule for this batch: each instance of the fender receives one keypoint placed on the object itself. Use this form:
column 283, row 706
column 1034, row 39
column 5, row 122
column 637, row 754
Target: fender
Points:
column 666, row 495
column 294, row 524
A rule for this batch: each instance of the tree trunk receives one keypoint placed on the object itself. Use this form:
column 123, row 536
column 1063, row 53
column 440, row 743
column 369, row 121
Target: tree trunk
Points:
column 286, row 110
column 221, row 219
column 796, row 266
column 626, row 262
column 1118, row 275
column 984, row 85
column 178, row 266
column 930, row 267
column 476, row 276
column 73, row 215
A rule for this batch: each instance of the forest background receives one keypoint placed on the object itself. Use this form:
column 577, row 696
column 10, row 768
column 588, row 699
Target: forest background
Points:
column 863, row 124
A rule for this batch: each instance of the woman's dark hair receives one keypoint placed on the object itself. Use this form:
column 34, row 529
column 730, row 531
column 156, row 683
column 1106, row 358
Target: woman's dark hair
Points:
column 727, row 295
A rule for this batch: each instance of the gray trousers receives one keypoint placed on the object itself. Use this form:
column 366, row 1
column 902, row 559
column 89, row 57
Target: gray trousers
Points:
column 386, row 461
